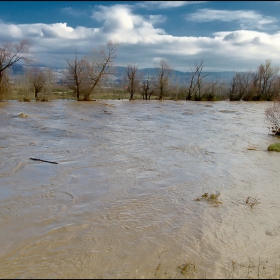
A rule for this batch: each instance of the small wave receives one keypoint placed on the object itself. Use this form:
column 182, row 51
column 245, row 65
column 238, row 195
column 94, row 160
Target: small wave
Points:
column 14, row 171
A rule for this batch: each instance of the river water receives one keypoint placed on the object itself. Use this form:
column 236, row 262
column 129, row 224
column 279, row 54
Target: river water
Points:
column 122, row 202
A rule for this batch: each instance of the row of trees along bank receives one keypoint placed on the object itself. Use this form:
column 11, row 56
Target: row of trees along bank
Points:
column 85, row 77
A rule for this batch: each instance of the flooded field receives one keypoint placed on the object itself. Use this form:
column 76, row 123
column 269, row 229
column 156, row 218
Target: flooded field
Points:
column 125, row 199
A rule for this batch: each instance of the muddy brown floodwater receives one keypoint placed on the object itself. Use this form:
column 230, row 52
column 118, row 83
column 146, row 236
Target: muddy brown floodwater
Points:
column 122, row 200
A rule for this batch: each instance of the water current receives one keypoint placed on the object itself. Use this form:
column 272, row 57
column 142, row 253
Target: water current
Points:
column 122, row 202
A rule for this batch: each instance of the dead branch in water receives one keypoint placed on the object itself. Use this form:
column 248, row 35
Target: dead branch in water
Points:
column 44, row 160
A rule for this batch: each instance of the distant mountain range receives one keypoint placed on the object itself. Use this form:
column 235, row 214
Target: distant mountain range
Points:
column 177, row 76
column 225, row 76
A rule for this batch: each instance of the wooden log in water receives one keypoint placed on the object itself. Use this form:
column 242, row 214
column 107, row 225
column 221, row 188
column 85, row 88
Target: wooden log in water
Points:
column 44, row 160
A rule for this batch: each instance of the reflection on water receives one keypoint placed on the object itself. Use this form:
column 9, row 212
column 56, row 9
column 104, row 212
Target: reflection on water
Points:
column 121, row 202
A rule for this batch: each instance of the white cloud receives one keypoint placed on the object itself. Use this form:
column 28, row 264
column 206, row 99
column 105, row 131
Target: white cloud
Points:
column 167, row 4
column 41, row 30
column 142, row 43
column 10, row 30
column 246, row 19
column 120, row 24
column 116, row 17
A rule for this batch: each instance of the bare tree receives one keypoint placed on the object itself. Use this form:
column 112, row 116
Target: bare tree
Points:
column 265, row 77
column 212, row 88
column 148, row 88
column 145, row 89
column 261, row 85
column 242, row 86
column 247, row 86
column 163, row 74
column 196, row 82
column 9, row 55
column 273, row 115
column 191, row 88
column 37, row 79
column 47, row 91
column 102, row 66
column 235, row 90
column 77, row 75
column 132, row 79
column 199, row 83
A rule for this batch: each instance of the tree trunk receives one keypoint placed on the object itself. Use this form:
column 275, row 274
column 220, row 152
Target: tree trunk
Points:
column 36, row 94
column 78, row 93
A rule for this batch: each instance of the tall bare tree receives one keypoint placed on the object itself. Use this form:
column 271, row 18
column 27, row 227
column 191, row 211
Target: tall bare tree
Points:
column 101, row 66
column 148, row 88
column 132, row 79
column 145, row 89
column 235, row 90
column 261, row 85
column 265, row 77
column 9, row 55
column 37, row 79
column 77, row 75
column 163, row 74
column 211, row 89
column 243, row 86
column 247, row 86
column 196, row 82
column 191, row 87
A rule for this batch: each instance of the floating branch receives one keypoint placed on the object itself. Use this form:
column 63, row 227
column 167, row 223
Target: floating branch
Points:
column 44, row 160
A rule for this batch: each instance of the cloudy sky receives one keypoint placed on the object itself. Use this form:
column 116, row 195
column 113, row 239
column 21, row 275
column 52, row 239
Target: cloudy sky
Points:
column 227, row 35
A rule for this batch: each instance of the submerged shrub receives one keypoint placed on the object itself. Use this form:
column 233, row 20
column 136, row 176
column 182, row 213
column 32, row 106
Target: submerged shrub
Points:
column 213, row 198
column 251, row 201
column 274, row 147
column 273, row 115
column 187, row 268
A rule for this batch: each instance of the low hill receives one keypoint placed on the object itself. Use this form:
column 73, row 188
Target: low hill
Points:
column 182, row 77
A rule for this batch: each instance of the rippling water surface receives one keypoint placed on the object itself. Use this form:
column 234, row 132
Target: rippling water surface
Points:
column 121, row 202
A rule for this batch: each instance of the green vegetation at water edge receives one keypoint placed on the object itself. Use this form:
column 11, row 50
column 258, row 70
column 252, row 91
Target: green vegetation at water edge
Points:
column 274, row 147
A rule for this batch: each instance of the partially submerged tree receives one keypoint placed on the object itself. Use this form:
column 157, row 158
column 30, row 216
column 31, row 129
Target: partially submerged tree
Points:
column 162, row 80
column 248, row 86
column 132, row 79
column 261, row 85
column 10, row 54
column 243, row 87
column 77, row 75
column 211, row 89
column 37, row 79
column 273, row 115
column 265, row 78
column 196, row 82
column 101, row 66
column 85, row 74
column 148, row 88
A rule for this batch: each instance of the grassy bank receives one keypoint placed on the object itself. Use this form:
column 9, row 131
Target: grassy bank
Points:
column 117, row 93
